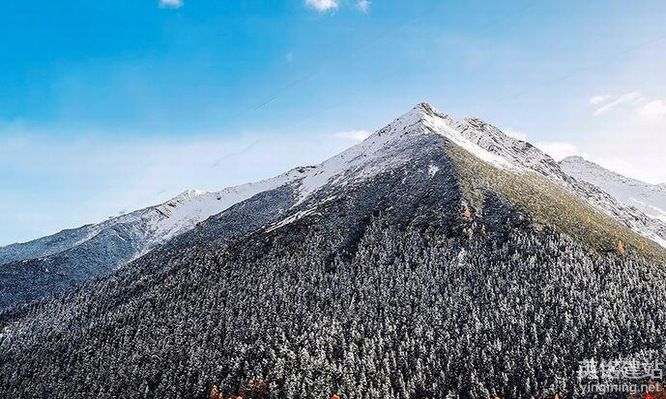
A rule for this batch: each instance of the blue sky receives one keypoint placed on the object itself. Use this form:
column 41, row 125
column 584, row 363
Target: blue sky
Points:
column 107, row 106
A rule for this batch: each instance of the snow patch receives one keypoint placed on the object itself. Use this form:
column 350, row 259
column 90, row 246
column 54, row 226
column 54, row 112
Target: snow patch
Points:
column 184, row 211
column 288, row 220
column 440, row 125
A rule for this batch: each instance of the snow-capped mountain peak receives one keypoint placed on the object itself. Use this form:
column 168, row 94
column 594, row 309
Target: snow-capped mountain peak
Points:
column 423, row 110
column 395, row 144
column 391, row 145
column 477, row 136
column 490, row 144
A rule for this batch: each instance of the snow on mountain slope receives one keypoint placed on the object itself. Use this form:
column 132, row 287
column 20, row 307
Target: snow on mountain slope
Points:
column 57, row 263
column 387, row 146
column 391, row 145
column 524, row 156
column 151, row 226
column 183, row 212
column 649, row 199
column 515, row 151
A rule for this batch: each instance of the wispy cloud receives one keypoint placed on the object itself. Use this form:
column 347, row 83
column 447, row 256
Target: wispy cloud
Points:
column 363, row 5
column 289, row 57
column 610, row 103
column 322, row 5
column 645, row 108
column 171, row 3
column 559, row 150
column 597, row 100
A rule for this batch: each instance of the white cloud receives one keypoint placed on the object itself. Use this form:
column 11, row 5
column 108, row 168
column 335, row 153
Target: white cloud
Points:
column 630, row 137
column 628, row 144
column 632, row 98
column 353, row 135
column 322, row 5
column 363, row 5
column 516, row 134
column 597, row 100
column 289, row 56
column 646, row 109
column 653, row 110
column 171, row 3
column 559, row 150
column 330, row 5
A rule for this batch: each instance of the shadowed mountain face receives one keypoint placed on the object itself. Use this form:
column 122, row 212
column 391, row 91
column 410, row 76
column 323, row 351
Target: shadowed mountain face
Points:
column 420, row 269
column 30, row 279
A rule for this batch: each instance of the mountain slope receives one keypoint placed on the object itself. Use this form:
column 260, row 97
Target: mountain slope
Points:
column 649, row 199
column 414, row 265
column 53, row 264
column 527, row 156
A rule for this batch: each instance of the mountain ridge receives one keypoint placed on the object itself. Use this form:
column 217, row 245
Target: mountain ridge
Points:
column 39, row 269
column 648, row 198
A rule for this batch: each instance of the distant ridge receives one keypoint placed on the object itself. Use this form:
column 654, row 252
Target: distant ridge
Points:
column 649, row 199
